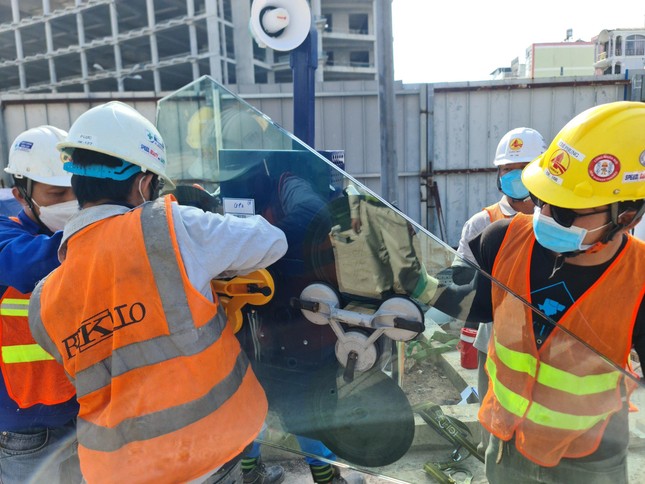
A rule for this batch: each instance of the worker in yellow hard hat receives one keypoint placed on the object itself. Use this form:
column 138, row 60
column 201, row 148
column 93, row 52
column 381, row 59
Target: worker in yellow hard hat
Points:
column 554, row 408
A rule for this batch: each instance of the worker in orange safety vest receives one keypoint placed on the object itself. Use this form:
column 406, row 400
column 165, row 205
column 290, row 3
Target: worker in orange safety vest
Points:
column 37, row 403
column 556, row 410
column 165, row 393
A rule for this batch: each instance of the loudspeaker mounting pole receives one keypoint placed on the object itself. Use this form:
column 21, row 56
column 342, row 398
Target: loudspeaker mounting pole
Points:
column 303, row 62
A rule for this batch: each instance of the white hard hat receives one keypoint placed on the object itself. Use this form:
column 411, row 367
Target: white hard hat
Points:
column 119, row 130
column 519, row 145
column 33, row 155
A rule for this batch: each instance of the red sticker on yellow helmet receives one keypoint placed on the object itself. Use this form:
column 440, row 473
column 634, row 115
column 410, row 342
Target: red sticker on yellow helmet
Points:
column 559, row 163
column 516, row 144
column 604, row 167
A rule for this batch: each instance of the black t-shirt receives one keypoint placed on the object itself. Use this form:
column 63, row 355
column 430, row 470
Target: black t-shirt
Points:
column 554, row 287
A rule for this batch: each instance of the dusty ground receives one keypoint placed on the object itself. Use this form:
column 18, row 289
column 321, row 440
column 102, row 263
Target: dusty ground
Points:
column 425, row 381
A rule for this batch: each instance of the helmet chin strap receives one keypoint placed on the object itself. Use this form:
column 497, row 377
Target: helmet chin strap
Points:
column 26, row 194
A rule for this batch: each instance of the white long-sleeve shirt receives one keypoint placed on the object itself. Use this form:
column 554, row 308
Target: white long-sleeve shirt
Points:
column 474, row 226
column 211, row 245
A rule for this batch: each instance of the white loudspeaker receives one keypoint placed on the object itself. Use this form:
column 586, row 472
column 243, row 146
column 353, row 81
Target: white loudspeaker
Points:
column 280, row 24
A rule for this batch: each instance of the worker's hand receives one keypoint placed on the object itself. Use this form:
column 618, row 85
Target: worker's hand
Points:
column 195, row 195
column 356, row 225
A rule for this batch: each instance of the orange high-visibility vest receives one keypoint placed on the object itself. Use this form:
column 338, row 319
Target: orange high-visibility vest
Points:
column 165, row 392
column 495, row 213
column 557, row 400
column 31, row 375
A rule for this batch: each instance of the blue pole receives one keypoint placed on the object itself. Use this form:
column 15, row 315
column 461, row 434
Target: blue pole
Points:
column 303, row 62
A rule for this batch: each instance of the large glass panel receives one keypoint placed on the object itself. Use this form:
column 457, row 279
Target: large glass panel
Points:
column 356, row 348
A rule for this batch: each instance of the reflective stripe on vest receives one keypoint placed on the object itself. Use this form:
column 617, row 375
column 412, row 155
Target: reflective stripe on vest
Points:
column 149, row 426
column 24, row 354
column 539, row 414
column 553, row 377
column 14, row 307
column 20, row 353
column 158, row 350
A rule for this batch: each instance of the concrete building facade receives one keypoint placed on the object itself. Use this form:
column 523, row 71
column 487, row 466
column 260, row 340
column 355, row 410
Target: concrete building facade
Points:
column 160, row 45
column 557, row 59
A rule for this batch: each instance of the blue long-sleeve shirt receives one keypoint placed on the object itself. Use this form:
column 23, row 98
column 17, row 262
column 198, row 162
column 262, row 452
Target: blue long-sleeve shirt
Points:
column 27, row 254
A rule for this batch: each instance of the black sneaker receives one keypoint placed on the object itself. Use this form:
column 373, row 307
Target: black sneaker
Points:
column 261, row 474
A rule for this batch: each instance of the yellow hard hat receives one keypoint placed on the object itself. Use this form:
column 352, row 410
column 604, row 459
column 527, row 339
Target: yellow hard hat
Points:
column 597, row 158
column 199, row 124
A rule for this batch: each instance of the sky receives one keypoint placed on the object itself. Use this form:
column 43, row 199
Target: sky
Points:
column 453, row 40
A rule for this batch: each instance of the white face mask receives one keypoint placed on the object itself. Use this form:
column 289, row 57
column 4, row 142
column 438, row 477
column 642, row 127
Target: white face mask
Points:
column 56, row 216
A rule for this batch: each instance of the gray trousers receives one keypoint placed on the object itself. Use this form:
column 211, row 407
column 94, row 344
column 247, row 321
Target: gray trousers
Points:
column 510, row 467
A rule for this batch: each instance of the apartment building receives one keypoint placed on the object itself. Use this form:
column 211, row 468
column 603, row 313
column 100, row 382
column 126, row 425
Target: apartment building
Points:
column 619, row 50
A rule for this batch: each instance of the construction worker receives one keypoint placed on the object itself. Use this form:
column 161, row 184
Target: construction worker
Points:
column 556, row 411
column 514, row 151
column 165, row 393
column 37, row 403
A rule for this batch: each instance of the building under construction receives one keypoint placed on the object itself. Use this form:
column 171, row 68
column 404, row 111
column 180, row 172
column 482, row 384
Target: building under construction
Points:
column 161, row 45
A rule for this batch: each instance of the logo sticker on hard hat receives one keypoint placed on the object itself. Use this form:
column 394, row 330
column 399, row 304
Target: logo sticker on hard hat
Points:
column 154, row 139
column 641, row 158
column 516, row 144
column 559, row 163
column 634, row 176
column 24, row 146
column 604, row 167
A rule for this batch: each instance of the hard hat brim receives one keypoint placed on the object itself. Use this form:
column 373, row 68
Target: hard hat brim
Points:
column 69, row 144
column 56, row 181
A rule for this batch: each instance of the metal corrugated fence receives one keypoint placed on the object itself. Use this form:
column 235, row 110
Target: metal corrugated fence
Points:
column 446, row 134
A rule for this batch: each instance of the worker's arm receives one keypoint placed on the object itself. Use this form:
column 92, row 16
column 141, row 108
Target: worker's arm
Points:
column 216, row 246
column 472, row 302
column 474, row 226
column 25, row 256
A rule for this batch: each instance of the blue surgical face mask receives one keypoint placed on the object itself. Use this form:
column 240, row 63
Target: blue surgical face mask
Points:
column 511, row 185
column 553, row 236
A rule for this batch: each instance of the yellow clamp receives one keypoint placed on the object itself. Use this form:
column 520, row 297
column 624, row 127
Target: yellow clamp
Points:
column 256, row 288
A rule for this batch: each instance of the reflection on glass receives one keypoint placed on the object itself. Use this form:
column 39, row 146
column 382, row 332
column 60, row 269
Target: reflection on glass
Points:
column 356, row 348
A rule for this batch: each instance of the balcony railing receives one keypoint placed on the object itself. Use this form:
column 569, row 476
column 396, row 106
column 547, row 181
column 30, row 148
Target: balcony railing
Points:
column 336, row 30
